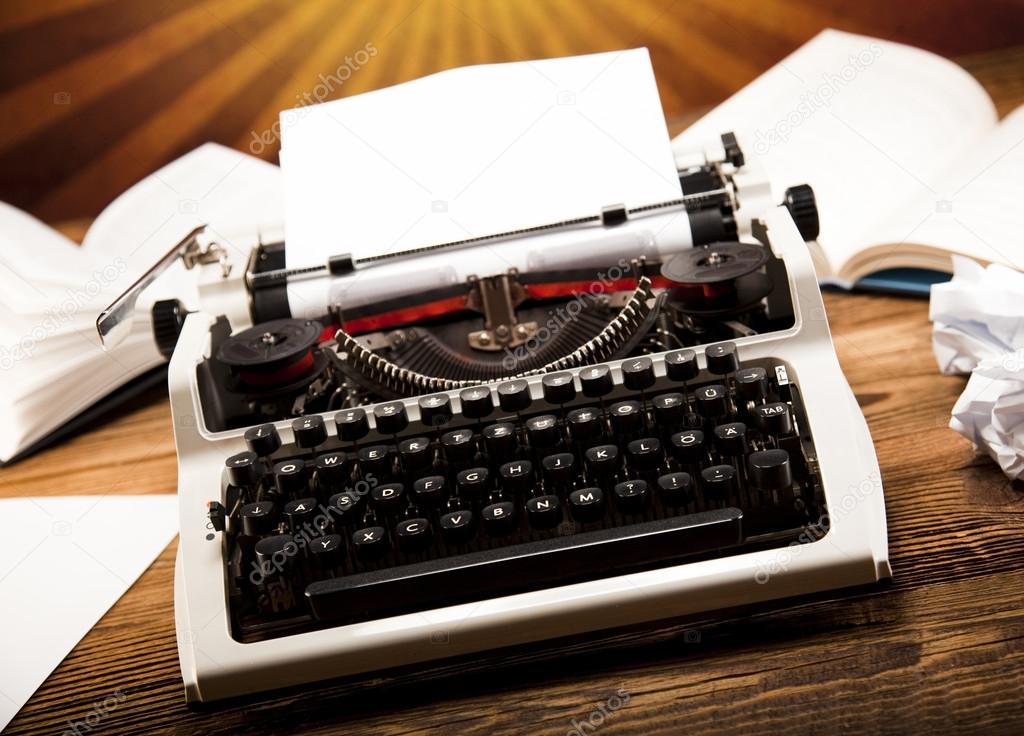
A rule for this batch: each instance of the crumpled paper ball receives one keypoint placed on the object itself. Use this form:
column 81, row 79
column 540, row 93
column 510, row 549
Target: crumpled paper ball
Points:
column 979, row 329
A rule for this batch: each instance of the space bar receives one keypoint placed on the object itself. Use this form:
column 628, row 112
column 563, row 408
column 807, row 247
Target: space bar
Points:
column 515, row 568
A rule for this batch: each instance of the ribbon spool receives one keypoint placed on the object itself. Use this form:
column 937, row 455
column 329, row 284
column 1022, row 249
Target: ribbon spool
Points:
column 717, row 278
column 272, row 355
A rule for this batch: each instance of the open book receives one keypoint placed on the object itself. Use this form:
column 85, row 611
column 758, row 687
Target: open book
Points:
column 52, row 367
column 903, row 149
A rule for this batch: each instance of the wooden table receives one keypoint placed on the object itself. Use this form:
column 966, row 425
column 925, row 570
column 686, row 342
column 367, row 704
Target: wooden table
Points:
column 940, row 650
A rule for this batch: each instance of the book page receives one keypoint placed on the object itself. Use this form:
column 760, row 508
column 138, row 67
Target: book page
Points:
column 974, row 207
column 867, row 123
column 471, row 152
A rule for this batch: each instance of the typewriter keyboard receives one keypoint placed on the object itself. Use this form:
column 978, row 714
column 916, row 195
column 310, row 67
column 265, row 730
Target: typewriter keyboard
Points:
column 497, row 489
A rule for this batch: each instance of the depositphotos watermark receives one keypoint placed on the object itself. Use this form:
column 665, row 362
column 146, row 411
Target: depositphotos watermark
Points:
column 326, row 87
column 597, row 717
column 816, row 99
column 564, row 314
column 95, row 716
column 57, row 317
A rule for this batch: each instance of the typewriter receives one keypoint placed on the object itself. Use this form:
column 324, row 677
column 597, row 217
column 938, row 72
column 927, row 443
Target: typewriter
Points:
column 515, row 458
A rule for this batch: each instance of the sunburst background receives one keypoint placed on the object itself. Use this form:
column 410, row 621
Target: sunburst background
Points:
column 95, row 94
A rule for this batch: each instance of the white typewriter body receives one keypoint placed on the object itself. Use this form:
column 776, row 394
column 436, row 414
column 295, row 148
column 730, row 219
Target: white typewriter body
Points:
column 854, row 551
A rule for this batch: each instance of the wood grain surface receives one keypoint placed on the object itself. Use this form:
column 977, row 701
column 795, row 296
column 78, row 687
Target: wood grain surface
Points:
column 940, row 650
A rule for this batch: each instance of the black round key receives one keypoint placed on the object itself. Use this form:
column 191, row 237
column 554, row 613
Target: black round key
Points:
column 602, row 461
column 276, row 554
column 516, row 476
column 770, row 470
column 332, row 470
column 343, row 507
column 627, row 417
column 752, row 383
column 459, row 448
column 596, row 381
column 263, row 440
column 371, row 543
column 559, row 469
column 388, row 498
column 681, row 365
column 290, row 477
column 500, row 441
column 722, row 358
column 632, row 496
column 644, row 454
column 476, row 402
column 473, row 483
column 327, row 552
column 352, row 424
column 514, row 396
column 669, row 410
column 586, row 504
column 415, row 454
column 244, row 469
column 391, row 417
column 258, row 518
column 375, row 461
column 457, row 526
column 676, row 489
column 688, row 446
column 585, row 424
column 435, row 410
column 719, row 480
column 299, row 514
column 559, row 388
column 638, row 373
column 711, row 401
column 731, row 439
column 499, row 518
column 774, row 419
column 544, row 512
column 413, row 535
column 542, row 432
column 430, row 491
column 309, row 431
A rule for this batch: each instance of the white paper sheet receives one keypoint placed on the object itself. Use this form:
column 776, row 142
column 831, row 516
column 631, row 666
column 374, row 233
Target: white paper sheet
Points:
column 471, row 152
column 978, row 321
column 64, row 562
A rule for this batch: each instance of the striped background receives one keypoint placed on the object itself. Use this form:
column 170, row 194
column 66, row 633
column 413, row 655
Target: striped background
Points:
column 95, row 94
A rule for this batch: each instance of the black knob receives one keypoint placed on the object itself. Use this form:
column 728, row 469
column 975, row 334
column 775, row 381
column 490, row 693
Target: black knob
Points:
column 711, row 401
column 585, row 424
column 542, row 432
column 681, row 365
column 300, row 514
column 413, row 535
column 559, row 469
column 638, row 373
column 514, row 396
column 688, row 446
column 558, row 388
column 415, row 454
column 722, row 358
column 244, row 469
column 331, row 470
column 752, row 383
column 476, row 402
column 770, row 470
column 676, row 489
column 544, row 512
column 631, row 496
column 327, row 551
column 669, row 410
column 500, row 441
column 803, row 208
column 719, row 480
column 499, row 518
column 436, row 410
column 263, row 440
column 586, row 504
column 168, row 319
column 370, row 543
column 276, row 554
column 290, row 477
column 391, row 417
column 257, row 518
column 774, row 419
column 309, row 431
column 352, row 425
column 627, row 417
column 731, row 439
column 644, row 455
column 596, row 381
